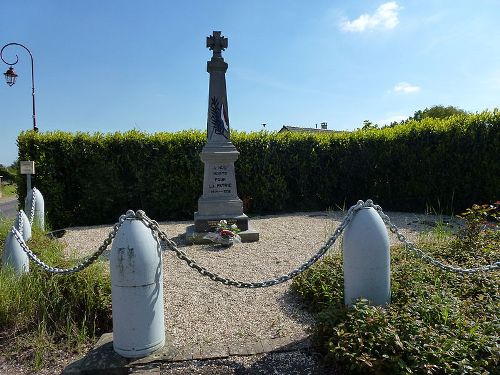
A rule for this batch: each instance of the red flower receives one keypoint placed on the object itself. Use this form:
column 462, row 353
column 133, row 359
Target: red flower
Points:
column 226, row 232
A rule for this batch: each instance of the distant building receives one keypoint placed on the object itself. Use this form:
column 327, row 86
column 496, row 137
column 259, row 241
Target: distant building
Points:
column 323, row 128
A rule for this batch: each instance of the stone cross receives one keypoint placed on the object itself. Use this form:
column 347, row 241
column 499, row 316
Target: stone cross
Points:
column 217, row 44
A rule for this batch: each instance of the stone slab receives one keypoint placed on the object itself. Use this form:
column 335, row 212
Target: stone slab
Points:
column 102, row 359
column 238, row 349
column 255, row 348
column 208, row 223
column 214, row 351
column 192, row 237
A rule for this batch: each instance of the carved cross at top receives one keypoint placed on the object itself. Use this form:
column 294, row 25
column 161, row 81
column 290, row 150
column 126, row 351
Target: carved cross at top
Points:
column 216, row 43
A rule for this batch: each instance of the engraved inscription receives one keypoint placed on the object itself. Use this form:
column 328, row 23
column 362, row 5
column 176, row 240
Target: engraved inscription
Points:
column 220, row 180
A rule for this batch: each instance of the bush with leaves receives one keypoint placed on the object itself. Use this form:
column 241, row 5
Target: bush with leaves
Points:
column 437, row 322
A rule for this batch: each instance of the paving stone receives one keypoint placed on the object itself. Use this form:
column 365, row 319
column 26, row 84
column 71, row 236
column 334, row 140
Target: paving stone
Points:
column 184, row 354
column 150, row 369
column 266, row 346
column 237, row 349
column 73, row 368
column 102, row 359
column 214, row 351
column 287, row 344
column 274, row 344
column 168, row 353
column 254, row 348
column 197, row 352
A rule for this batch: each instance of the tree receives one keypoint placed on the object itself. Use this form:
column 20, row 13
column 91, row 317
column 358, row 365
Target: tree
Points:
column 437, row 111
column 9, row 173
column 367, row 125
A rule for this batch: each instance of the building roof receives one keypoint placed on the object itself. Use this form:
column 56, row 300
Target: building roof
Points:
column 287, row 128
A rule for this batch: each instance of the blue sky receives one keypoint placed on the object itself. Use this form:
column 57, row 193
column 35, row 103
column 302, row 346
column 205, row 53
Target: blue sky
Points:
column 118, row 65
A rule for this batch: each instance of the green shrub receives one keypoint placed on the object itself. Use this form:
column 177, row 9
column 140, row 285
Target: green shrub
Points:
column 437, row 323
column 9, row 173
column 93, row 179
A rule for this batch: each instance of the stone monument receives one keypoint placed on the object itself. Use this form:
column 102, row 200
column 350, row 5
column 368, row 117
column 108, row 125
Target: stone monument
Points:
column 220, row 199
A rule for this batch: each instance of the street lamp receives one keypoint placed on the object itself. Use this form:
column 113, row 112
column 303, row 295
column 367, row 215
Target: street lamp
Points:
column 10, row 76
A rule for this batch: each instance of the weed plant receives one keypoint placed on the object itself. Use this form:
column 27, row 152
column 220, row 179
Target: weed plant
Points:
column 437, row 322
column 41, row 312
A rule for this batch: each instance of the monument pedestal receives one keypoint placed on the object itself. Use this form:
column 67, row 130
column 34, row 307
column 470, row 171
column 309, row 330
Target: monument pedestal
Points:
column 219, row 200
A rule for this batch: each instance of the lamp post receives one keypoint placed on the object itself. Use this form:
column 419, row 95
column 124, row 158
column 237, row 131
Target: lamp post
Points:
column 10, row 76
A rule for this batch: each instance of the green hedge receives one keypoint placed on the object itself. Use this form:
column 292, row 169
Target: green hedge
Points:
column 92, row 179
column 445, row 165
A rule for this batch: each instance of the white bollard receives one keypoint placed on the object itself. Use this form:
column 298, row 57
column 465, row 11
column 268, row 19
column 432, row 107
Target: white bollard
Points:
column 39, row 214
column 366, row 259
column 136, row 291
column 25, row 229
column 13, row 254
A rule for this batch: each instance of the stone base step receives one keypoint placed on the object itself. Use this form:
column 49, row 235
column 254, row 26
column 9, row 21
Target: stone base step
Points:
column 193, row 237
column 102, row 359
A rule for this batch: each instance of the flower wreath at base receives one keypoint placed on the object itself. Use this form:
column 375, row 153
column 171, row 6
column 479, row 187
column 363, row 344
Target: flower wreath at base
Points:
column 224, row 234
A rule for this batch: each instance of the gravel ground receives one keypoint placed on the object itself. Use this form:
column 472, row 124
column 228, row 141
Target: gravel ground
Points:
column 291, row 363
column 200, row 311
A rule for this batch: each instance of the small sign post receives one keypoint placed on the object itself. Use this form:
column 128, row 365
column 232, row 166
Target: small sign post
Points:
column 27, row 168
column 1, row 186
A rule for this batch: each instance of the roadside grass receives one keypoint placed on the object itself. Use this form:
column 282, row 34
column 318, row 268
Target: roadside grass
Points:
column 437, row 322
column 42, row 313
column 9, row 190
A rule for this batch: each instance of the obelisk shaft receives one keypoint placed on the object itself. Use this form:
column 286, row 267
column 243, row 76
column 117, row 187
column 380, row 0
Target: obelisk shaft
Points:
column 220, row 199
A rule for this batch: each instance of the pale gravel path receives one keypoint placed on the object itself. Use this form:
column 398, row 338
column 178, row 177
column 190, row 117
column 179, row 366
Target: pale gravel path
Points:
column 200, row 311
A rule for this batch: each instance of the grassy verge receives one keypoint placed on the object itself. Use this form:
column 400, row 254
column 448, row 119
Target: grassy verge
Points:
column 8, row 190
column 41, row 313
column 437, row 323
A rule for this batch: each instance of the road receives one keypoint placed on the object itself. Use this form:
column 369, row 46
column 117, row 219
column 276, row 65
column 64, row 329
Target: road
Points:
column 8, row 207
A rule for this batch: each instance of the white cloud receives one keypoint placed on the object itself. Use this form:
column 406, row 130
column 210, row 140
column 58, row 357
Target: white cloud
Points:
column 386, row 16
column 406, row 88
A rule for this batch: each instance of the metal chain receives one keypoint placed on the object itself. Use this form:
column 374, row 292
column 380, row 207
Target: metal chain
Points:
column 427, row 258
column 252, row 285
column 32, row 212
column 350, row 213
column 162, row 236
column 87, row 262
column 20, row 220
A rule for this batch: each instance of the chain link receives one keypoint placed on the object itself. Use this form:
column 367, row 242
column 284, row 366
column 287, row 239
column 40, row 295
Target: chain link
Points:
column 252, row 285
column 427, row 258
column 87, row 262
column 32, row 212
column 20, row 221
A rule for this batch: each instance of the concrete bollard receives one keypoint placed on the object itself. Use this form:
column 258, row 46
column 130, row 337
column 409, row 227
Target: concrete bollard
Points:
column 136, row 291
column 25, row 230
column 13, row 254
column 366, row 259
column 39, row 215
